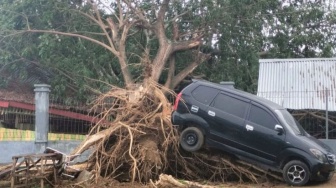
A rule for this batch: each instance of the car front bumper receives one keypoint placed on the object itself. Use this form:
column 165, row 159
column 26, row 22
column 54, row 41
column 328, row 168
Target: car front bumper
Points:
column 322, row 171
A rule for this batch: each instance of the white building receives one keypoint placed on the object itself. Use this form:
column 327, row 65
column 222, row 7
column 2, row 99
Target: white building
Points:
column 299, row 83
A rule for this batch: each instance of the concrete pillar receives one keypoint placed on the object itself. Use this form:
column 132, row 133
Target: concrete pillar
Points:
column 41, row 116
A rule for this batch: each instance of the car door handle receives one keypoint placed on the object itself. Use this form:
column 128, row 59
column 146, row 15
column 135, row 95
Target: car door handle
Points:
column 249, row 127
column 211, row 113
column 194, row 108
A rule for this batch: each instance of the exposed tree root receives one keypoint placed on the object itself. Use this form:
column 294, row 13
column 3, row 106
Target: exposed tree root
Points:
column 135, row 141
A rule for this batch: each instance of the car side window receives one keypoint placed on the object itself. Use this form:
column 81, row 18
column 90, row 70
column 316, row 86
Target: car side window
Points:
column 204, row 94
column 262, row 117
column 230, row 105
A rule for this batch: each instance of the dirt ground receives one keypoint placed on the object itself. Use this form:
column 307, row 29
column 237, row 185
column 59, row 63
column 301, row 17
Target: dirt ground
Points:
column 114, row 184
column 110, row 183
column 107, row 183
column 330, row 184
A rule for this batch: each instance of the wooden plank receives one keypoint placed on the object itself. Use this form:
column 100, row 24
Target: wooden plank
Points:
column 30, row 168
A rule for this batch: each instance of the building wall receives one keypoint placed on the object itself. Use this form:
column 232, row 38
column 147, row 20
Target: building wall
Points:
column 27, row 135
column 308, row 83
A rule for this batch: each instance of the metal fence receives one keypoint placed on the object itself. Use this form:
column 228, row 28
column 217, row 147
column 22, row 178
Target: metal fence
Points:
column 67, row 121
column 72, row 117
column 314, row 110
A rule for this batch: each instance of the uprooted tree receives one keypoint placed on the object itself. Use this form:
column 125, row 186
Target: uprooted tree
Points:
column 134, row 139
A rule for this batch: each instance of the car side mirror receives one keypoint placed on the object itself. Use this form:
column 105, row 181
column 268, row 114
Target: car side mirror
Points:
column 279, row 129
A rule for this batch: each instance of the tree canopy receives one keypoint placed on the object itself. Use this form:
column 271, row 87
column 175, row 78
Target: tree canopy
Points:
column 80, row 46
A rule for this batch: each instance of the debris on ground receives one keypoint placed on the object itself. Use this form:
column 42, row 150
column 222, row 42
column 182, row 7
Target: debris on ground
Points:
column 29, row 168
column 84, row 176
column 168, row 181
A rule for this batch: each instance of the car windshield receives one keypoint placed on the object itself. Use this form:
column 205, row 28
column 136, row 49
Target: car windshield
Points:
column 293, row 124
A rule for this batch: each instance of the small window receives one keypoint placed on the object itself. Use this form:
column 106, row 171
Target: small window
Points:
column 204, row 94
column 231, row 105
column 262, row 117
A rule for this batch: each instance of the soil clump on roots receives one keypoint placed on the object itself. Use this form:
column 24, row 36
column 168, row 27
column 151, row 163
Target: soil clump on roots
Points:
column 134, row 141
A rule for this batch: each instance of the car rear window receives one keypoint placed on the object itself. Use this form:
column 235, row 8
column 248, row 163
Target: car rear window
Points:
column 204, row 94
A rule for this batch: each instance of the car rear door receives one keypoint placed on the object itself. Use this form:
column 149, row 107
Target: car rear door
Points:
column 199, row 99
column 260, row 136
column 226, row 118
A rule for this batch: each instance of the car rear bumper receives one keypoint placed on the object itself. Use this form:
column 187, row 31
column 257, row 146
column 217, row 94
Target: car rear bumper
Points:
column 176, row 118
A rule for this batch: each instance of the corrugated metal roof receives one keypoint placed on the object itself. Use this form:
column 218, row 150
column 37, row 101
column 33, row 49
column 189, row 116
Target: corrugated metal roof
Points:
column 299, row 83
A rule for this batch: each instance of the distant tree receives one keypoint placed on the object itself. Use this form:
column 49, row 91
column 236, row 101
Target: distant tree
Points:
column 259, row 29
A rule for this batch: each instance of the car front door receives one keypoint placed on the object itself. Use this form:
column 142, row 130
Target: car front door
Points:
column 260, row 136
column 226, row 117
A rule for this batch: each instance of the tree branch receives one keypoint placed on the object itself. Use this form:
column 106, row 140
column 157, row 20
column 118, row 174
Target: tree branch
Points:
column 163, row 10
column 73, row 35
column 140, row 15
column 101, row 24
column 186, row 45
column 190, row 68
column 165, row 48
column 171, row 72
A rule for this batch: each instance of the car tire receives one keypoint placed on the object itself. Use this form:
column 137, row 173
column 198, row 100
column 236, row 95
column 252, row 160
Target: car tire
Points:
column 191, row 139
column 296, row 173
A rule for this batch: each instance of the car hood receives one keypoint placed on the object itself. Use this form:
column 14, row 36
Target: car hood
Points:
column 312, row 142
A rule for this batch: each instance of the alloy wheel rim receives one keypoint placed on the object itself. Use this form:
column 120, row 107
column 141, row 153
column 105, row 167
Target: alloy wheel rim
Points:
column 296, row 174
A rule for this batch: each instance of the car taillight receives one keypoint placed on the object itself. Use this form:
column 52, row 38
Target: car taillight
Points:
column 177, row 100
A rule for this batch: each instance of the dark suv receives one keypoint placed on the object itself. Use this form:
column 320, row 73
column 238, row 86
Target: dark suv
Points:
column 252, row 128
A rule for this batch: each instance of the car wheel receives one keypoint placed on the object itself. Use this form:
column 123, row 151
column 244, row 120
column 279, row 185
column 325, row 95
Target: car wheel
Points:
column 191, row 139
column 296, row 173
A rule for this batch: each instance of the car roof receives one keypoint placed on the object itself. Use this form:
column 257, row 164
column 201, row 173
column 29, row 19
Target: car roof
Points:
column 240, row 93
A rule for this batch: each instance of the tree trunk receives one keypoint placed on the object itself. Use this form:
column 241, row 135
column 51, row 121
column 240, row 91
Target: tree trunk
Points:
column 160, row 60
column 171, row 72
